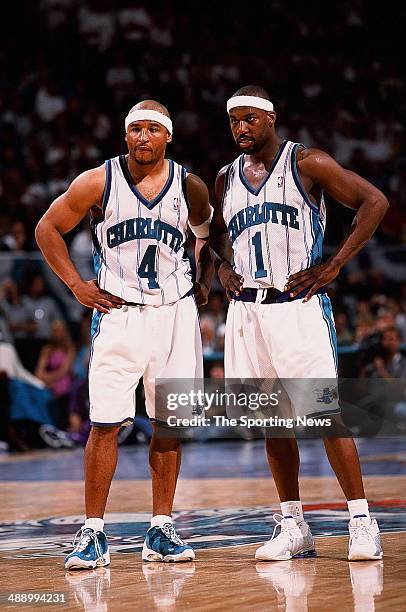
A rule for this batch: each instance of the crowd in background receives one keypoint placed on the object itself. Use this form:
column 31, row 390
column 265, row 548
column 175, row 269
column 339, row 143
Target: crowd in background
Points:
column 336, row 83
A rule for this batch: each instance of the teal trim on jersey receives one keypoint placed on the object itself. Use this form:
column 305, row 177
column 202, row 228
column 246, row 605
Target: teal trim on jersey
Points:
column 184, row 186
column 96, row 252
column 95, row 330
column 317, row 235
column 225, row 187
column 298, row 182
column 96, row 262
column 107, row 185
column 327, row 312
column 245, row 181
column 148, row 203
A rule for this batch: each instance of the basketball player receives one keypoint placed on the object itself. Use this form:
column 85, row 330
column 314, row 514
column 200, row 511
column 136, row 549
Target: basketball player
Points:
column 270, row 209
column 145, row 320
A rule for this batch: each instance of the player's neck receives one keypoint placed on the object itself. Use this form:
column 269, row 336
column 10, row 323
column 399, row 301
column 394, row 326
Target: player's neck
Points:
column 140, row 171
column 267, row 154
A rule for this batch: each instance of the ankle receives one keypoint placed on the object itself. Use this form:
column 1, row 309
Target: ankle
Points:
column 97, row 524
column 292, row 509
column 160, row 519
column 358, row 508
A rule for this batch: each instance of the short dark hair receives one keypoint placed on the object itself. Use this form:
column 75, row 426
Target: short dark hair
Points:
column 252, row 90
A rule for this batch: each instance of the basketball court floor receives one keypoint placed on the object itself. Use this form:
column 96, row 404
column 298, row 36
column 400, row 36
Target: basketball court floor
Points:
column 224, row 506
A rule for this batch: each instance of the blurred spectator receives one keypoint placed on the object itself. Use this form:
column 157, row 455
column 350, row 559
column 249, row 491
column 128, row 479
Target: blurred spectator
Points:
column 216, row 370
column 344, row 334
column 43, row 308
column 81, row 249
column 208, row 332
column 25, row 402
column 48, row 103
column 389, row 363
column 16, row 310
column 54, row 368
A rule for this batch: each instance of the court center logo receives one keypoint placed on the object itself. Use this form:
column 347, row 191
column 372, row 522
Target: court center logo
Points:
column 212, row 528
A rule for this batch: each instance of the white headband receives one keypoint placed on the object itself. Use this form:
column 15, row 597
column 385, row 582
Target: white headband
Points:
column 149, row 115
column 254, row 101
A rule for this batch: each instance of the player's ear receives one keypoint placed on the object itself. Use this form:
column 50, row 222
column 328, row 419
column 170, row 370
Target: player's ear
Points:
column 126, row 139
column 271, row 118
column 169, row 138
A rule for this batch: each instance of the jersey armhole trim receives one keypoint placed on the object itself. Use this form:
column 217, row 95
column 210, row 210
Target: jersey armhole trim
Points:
column 184, row 187
column 107, row 186
column 298, row 182
column 225, row 188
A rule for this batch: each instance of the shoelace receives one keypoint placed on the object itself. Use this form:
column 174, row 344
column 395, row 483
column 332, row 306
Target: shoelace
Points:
column 85, row 539
column 169, row 530
column 361, row 532
column 282, row 524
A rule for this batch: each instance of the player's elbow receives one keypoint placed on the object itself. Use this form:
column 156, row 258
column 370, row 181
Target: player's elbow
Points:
column 382, row 204
column 40, row 232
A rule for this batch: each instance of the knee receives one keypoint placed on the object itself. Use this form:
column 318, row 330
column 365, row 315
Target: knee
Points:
column 104, row 433
column 165, row 444
column 280, row 448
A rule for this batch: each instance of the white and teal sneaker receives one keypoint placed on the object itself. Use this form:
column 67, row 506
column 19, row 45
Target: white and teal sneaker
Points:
column 294, row 541
column 365, row 541
column 164, row 544
column 90, row 552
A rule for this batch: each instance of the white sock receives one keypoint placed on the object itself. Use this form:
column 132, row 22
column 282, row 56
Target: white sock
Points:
column 97, row 524
column 292, row 509
column 358, row 508
column 160, row 519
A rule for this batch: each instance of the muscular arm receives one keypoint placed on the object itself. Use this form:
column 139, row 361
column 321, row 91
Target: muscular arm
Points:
column 199, row 212
column 61, row 217
column 317, row 168
column 220, row 244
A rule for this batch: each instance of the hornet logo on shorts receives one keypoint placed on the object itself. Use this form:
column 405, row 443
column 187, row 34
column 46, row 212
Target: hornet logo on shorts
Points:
column 327, row 395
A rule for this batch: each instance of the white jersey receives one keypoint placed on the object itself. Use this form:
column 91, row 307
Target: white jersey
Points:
column 139, row 244
column 276, row 229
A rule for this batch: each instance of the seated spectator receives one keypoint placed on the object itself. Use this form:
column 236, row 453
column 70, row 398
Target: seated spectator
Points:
column 389, row 363
column 25, row 416
column 78, row 406
column 55, row 369
column 43, row 308
column 15, row 308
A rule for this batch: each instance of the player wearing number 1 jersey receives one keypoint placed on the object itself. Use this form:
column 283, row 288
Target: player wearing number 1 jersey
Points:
column 270, row 216
column 145, row 321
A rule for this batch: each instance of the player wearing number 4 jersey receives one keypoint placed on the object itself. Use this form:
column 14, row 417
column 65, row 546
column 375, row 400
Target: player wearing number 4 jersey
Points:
column 270, row 217
column 145, row 321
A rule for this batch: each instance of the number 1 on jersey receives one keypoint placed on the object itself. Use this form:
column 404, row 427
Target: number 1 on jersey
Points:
column 256, row 241
column 147, row 268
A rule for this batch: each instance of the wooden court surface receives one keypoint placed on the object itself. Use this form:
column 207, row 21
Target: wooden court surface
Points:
column 36, row 527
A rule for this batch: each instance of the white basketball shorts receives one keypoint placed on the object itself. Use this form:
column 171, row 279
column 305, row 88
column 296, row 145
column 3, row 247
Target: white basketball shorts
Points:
column 135, row 341
column 291, row 340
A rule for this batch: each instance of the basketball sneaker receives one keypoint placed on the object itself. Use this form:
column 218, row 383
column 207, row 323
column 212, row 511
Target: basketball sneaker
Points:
column 365, row 541
column 294, row 541
column 164, row 544
column 90, row 552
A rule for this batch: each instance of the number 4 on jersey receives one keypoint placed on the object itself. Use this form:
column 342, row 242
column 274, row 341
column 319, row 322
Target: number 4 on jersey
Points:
column 147, row 268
